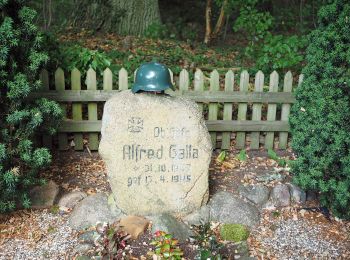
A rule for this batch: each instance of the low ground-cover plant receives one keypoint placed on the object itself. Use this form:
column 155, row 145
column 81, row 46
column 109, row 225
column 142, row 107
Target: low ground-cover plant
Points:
column 166, row 246
column 320, row 119
column 273, row 155
column 234, row 232
column 207, row 242
column 112, row 242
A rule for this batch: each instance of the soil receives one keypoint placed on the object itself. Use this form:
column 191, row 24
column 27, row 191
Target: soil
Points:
column 85, row 171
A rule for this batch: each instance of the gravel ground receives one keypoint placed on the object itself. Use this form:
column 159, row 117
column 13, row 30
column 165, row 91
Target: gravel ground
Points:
column 298, row 239
column 49, row 237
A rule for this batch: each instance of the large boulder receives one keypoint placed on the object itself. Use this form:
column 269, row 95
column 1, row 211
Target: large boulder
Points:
column 228, row 208
column 91, row 210
column 157, row 150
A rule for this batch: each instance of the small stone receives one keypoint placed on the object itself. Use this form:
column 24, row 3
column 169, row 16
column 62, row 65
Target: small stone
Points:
column 227, row 208
column 134, row 225
column 198, row 217
column 82, row 249
column 280, row 195
column 258, row 194
column 302, row 212
column 297, row 194
column 83, row 257
column 44, row 196
column 171, row 225
column 88, row 237
column 270, row 177
column 70, row 200
column 91, row 210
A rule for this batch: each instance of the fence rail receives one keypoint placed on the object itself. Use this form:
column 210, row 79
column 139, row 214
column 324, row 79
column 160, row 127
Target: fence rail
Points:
column 232, row 111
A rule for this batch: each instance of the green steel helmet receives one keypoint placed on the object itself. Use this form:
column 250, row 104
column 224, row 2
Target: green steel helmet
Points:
column 152, row 76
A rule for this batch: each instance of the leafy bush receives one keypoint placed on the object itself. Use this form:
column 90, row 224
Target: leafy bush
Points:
column 254, row 23
column 320, row 119
column 279, row 52
column 20, row 119
column 82, row 58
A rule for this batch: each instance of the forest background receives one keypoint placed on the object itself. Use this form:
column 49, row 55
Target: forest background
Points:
column 256, row 35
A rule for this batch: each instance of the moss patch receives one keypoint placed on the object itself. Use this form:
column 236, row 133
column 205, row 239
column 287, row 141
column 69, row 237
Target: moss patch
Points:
column 234, row 232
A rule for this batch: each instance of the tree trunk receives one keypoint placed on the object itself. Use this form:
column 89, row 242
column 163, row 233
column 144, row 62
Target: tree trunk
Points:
column 137, row 15
column 209, row 34
column 207, row 22
column 127, row 17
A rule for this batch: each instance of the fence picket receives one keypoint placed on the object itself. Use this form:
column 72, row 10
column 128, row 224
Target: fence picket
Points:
column 242, row 109
column 60, row 86
column 77, row 108
column 211, row 98
column 171, row 76
column 199, row 84
column 301, row 79
column 184, row 80
column 44, row 78
column 271, row 110
column 226, row 136
column 123, row 79
column 107, row 79
column 92, row 108
column 256, row 115
column 213, row 107
column 287, row 87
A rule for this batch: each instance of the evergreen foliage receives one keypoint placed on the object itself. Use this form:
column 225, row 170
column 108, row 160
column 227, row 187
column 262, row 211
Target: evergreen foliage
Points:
column 320, row 120
column 20, row 62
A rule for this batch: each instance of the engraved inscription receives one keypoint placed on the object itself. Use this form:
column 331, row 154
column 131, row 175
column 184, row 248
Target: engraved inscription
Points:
column 135, row 124
column 138, row 152
column 151, row 163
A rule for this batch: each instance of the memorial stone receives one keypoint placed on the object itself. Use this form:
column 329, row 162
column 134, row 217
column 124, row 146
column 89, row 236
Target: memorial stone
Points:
column 157, row 151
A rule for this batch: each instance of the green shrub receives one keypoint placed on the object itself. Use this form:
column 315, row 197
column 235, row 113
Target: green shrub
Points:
column 253, row 23
column 234, row 232
column 279, row 52
column 320, row 119
column 20, row 61
column 82, row 58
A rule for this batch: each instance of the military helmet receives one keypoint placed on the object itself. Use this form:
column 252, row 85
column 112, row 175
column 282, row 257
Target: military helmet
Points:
column 152, row 76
